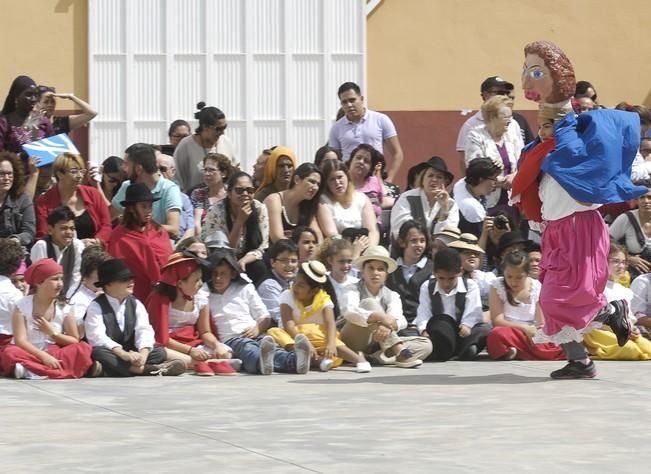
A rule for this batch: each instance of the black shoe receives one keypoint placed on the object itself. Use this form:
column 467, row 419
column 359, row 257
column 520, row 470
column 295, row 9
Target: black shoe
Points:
column 575, row 370
column 470, row 353
column 95, row 370
column 619, row 323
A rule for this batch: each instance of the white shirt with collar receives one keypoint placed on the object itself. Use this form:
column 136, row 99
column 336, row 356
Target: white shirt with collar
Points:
column 236, row 310
column 374, row 128
column 39, row 252
column 80, row 302
column 472, row 313
column 401, row 213
column 514, row 131
column 358, row 316
column 96, row 330
column 409, row 271
column 469, row 206
column 9, row 296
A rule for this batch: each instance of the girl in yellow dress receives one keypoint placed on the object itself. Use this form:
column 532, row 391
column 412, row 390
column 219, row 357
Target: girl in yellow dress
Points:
column 307, row 309
column 602, row 343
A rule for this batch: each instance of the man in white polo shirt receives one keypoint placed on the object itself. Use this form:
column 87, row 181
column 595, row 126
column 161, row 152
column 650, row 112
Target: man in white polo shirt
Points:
column 360, row 125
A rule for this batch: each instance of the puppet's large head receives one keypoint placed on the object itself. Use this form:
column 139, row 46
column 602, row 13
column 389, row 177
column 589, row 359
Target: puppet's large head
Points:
column 547, row 75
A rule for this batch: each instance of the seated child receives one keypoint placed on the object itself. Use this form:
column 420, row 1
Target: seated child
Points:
column 241, row 319
column 82, row 296
column 178, row 312
column 46, row 342
column 283, row 256
column 450, row 311
column 307, row 242
column 641, row 304
column 441, row 240
column 534, row 260
column 194, row 245
column 117, row 326
column 602, row 343
column 471, row 254
column 337, row 255
column 62, row 246
column 18, row 278
column 414, row 268
column 374, row 315
column 516, row 314
column 307, row 309
column 11, row 257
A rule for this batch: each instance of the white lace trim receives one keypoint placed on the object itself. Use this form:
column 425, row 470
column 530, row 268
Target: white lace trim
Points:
column 566, row 334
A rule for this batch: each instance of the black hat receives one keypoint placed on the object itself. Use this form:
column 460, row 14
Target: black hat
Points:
column 112, row 270
column 218, row 256
column 138, row 192
column 437, row 163
column 511, row 238
column 495, row 81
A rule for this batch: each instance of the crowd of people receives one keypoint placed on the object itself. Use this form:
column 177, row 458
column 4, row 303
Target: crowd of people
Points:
column 172, row 259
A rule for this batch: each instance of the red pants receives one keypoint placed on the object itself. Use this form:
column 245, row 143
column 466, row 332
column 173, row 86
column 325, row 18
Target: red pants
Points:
column 501, row 338
column 74, row 358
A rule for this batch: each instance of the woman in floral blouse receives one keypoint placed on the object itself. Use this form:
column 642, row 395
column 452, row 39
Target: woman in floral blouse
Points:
column 217, row 169
column 244, row 222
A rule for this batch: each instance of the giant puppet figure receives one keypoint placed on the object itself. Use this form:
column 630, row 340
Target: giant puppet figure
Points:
column 576, row 164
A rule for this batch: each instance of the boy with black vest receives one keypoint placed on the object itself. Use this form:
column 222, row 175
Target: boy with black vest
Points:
column 117, row 326
column 62, row 246
column 450, row 311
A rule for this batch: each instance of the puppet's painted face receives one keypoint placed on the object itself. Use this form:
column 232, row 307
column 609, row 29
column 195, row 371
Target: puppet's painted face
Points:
column 537, row 80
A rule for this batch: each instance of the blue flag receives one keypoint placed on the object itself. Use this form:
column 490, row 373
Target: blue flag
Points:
column 47, row 149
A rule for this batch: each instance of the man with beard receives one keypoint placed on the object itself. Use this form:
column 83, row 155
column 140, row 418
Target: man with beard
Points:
column 140, row 166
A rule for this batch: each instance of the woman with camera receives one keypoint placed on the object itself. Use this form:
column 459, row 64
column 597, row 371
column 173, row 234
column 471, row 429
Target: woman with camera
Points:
column 429, row 203
column 351, row 210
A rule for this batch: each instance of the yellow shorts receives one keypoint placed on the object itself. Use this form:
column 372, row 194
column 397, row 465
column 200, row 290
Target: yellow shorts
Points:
column 315, row 333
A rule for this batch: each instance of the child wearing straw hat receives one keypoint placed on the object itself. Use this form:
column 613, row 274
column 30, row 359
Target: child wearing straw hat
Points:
column 307, row 309
column 374, row 315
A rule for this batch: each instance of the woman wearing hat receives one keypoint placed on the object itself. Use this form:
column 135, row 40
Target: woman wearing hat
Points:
column 140, row 242
column 46, row 341
column 178, row 312
column 307, row 308
column 429, row 203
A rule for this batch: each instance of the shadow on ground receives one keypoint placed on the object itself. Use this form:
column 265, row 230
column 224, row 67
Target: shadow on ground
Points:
column 432, row 379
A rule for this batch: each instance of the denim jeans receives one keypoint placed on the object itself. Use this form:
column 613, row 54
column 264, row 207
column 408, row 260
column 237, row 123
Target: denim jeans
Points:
column 248, row 350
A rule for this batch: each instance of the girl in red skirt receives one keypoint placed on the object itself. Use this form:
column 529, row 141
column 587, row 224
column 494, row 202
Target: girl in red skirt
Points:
column 516, row 314
column 178, row 312
column 46, row 341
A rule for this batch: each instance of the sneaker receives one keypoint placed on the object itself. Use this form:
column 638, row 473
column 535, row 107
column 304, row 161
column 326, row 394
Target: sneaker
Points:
column 95, row 370
column 575, row 370
column 20, row 371
column 619, row 323
column 407, row 360
column 267, row 347
column 511, row 354
column 363, row 367
column 202, row 368
column 325, row 365
column 470, row 353
column 235, row 363
column 221, row 368
column 167, row 368
column 302, row 351
column 380, row 357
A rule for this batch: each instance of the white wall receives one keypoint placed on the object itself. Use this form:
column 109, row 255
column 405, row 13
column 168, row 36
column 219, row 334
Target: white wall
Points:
column 272, row 66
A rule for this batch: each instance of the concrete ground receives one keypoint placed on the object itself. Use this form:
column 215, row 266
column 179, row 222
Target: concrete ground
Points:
column 446, row 418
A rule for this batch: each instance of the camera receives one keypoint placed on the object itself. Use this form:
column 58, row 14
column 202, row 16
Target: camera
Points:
column 501, row 222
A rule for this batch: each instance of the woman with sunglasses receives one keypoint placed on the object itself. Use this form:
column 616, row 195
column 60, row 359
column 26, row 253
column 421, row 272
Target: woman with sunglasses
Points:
column 244, row 221
column 92, row 218
column 217, row 169
column 207, row 138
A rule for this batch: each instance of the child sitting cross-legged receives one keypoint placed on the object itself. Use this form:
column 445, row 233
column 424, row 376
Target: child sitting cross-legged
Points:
column 308, row 309
column 241, row 319
column 117, row 326
column 374, row 315
column 516, row 314
column 450, row 311
column 178, row 312
column 46, row 342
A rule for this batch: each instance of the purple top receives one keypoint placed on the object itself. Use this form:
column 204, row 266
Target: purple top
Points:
column 12, row 137
column 505, row 158
column 373, row 129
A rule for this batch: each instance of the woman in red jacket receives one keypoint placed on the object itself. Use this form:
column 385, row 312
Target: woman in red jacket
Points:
column 92, row 218
column 141, row 243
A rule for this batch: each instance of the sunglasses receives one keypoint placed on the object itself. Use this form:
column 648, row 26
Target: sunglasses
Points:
column 242, row 190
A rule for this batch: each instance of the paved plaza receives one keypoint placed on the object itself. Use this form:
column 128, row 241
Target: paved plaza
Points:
column 445, row 418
